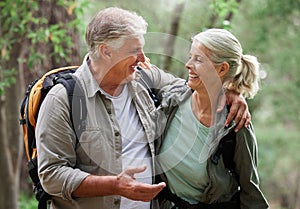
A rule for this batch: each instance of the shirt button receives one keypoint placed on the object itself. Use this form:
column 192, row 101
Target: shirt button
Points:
column 117, row 133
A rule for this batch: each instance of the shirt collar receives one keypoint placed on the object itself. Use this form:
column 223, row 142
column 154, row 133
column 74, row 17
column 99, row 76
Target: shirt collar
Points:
column 86, row 78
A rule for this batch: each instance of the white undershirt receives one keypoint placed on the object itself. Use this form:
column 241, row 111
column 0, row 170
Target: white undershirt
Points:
column 135, row 148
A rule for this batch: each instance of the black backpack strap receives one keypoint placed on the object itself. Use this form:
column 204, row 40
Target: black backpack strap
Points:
column 177, row 201
column 24, row 102
column 43, row 198
column 226, row 148
column 76, row 97
column 148, row 84
column 229, row 142
column 40, row 194
column 25, row 120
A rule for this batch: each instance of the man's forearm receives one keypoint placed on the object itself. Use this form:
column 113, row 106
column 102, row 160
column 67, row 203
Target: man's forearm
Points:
column 93, row 186
column 123, row 184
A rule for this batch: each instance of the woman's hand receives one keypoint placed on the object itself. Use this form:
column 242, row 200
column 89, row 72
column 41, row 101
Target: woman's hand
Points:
column 146, row 64
column 238, row 110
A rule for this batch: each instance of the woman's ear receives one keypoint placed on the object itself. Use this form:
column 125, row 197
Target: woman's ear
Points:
column 104, row 51
column 223, row 69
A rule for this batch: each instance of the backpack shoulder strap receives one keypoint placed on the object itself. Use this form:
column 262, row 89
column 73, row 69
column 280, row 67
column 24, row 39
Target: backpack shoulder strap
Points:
column 229, row 142
column 76, row 97
column 226, row 148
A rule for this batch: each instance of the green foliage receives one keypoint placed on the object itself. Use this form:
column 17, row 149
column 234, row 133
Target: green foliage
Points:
column 7, row 77
column 19, row 21
column 279, row 163
column 222, row 9
column 270, row 30
column 275, row 149
column 26, row 202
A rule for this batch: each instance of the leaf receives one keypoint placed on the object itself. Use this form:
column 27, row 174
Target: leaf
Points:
column 71, row 8
column 3, row 52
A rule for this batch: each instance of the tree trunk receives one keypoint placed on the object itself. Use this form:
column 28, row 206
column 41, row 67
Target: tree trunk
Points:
column 8, row 188
column 54, row 14
column 11, row 147
column 8, row 156
column 297, row 192
column 170, row 44
column 230, row 14
column 12, row 101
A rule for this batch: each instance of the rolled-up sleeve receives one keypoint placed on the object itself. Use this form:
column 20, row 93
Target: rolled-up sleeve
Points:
column 56, row 144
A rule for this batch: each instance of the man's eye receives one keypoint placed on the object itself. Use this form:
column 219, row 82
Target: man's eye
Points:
column 136, row 51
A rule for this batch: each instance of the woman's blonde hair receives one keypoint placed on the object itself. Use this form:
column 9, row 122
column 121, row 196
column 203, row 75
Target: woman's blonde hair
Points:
column 243, row 74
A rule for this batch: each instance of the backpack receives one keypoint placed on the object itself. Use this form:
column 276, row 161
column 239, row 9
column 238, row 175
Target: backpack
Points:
column 34, row 96
column 29, row 109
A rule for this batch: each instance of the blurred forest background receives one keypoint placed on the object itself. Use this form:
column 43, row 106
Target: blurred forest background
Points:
column 36, row 36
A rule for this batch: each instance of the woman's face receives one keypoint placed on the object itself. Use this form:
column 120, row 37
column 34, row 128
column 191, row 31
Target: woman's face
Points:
column 202, row 71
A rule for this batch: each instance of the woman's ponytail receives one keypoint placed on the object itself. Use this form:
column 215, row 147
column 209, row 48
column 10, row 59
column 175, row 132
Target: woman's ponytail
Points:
column 246, row 79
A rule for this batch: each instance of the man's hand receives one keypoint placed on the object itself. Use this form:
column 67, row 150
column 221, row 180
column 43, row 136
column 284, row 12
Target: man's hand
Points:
column 128, row 187
column 124, row 184
column 238, row 110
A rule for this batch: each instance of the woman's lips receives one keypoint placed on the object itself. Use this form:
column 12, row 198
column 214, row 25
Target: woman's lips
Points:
column 192, row 76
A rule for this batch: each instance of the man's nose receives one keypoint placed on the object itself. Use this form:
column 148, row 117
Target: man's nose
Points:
column 141, row 57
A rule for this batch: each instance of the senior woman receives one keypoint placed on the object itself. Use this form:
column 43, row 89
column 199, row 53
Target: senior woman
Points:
column 195, row 128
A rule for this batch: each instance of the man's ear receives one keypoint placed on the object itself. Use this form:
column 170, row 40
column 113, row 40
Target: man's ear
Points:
column 223, row 69
column 105, row 51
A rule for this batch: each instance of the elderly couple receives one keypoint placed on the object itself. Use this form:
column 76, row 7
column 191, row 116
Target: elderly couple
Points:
column 128, row 141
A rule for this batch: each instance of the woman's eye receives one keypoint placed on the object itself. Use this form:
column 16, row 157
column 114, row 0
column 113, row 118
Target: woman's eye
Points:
column 197, row 59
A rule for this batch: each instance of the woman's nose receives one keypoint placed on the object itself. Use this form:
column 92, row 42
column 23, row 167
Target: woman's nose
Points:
column 187, row 65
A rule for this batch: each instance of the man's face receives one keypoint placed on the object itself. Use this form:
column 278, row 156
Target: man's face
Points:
column 124, row 61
